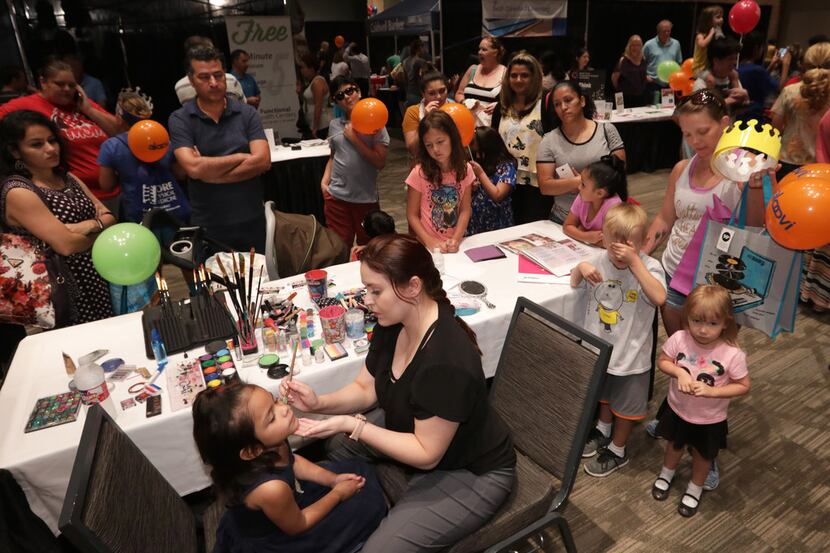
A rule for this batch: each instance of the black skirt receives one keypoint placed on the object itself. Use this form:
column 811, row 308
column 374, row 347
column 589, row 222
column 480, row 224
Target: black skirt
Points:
column 707, row 439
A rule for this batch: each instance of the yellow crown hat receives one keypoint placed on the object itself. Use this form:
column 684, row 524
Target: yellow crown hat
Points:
column 743, row 151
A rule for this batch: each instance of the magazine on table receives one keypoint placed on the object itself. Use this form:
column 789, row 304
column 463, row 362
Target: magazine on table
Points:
column 556, row 256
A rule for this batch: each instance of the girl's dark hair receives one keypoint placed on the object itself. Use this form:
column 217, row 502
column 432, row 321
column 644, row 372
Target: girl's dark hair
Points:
column 433, row 76
column 609, row 174
column 378, row 223
column 399, row 257
column 588, row 111
column 222, row 427
column 458, row 162
column 13, row 129
column 492, row 151
column 707, row 18
column 338, row 82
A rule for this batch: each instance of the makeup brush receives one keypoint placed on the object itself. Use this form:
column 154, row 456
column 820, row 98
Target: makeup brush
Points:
column 240, row 280
column 291, row 367
column 251, row 276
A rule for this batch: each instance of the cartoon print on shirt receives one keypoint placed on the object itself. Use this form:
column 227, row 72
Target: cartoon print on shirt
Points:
column 444, row 211
column 707, row 370
column 610, row 298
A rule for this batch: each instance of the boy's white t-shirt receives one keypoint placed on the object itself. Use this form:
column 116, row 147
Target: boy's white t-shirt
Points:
column 620, row 313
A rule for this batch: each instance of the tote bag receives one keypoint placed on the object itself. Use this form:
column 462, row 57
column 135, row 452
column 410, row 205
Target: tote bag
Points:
column 761, row 276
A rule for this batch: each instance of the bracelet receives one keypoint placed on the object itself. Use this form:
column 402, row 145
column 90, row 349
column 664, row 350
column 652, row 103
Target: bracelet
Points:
column 361, row 422
column 100, row 224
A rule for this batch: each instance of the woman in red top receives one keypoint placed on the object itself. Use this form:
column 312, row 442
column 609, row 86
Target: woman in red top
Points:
column 83, row 124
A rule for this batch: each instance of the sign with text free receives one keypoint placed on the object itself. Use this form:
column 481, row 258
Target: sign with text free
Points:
column 268, row 41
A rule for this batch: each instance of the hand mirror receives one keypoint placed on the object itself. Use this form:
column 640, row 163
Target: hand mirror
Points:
column 475, row 289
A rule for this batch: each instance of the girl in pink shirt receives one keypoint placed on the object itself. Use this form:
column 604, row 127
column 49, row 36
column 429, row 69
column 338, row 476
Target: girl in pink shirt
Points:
column 602, row 187
column 707, row 369
column 438, row 205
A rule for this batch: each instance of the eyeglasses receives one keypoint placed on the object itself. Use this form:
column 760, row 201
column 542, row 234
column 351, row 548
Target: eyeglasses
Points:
column 345, row 92
column 219, row 76
column 702, row 98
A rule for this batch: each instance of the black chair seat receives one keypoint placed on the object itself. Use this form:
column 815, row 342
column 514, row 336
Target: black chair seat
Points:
column 530, row 500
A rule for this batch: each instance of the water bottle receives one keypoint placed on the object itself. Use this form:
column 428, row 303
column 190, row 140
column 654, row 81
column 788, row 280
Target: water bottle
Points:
column 156, row 343
column 438, row 259
column 89, row 380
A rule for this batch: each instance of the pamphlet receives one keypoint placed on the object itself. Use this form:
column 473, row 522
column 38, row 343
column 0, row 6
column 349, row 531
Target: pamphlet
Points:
column 556, row 256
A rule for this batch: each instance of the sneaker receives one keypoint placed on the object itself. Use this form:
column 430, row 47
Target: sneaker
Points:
column 595, row 441
column 651, row 428
column 605, row 463
column 713, row 478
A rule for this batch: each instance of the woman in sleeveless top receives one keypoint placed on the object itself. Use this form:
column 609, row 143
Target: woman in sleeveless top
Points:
column 481, row 84
column 692, row 185
column 40, row 200
column 315, row 97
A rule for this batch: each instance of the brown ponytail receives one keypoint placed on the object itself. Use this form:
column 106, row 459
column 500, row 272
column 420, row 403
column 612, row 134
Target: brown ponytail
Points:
column 399, row 257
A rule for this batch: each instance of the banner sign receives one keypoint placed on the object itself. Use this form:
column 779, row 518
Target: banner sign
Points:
column 524, row 18
column 268, row 41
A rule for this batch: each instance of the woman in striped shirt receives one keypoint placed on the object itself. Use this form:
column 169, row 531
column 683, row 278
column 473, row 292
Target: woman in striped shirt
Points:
column 481, row 84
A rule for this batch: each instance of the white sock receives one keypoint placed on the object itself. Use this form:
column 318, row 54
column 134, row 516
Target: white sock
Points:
column 667, row 475
column 605, row 428
column 617, row 450
column 694, row 490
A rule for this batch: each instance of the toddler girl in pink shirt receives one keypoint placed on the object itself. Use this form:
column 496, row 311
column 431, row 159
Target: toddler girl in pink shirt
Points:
column 603, row 186
column 707, row 370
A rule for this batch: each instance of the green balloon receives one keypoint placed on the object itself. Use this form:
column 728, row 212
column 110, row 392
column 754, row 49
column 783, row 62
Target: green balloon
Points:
column 126, row 254
column 666, row 68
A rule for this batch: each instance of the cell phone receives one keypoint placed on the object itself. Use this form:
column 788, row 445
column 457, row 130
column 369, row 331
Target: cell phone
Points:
column 153, row 406
column 782, row 52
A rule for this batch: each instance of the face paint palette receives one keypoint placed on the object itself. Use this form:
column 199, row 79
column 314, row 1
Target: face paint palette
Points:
column 215, row 365
column 53, row 411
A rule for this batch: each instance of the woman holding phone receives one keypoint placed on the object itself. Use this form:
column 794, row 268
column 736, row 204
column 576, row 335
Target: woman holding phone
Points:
column 83, row 124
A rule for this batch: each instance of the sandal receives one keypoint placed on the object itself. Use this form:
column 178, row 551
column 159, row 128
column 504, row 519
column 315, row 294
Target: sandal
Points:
column 658, row 493
column 684, row 509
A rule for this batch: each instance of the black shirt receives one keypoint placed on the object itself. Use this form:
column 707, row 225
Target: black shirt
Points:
column 444, row 379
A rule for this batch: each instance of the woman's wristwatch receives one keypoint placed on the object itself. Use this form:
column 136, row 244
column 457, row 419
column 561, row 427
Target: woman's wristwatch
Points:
column 361, row 422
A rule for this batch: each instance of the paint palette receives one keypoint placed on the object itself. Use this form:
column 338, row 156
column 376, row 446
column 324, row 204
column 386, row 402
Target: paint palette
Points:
column 53, row 411
column 217, row 368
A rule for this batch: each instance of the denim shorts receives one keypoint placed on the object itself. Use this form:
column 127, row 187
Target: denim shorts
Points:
column 673, row 298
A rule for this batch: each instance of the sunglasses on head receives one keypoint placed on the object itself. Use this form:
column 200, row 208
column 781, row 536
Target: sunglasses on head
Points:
column 702, row 98
column 345, row 92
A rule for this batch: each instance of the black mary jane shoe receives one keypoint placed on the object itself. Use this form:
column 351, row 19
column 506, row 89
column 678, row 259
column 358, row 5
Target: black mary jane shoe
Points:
column 684, row 509
column 660, row 494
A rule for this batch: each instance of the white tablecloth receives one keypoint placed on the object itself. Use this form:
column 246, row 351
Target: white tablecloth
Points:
column 308, row 148
column 641, row 115
column 41, row 461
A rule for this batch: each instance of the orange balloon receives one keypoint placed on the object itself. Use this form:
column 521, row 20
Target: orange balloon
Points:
column 809, row 170
column 687, row 67
column 339, row 41
column 688, row 88
column 369, row 116
column 148, row 141
column 463, row 119
column 796, row 215
column 678, row 80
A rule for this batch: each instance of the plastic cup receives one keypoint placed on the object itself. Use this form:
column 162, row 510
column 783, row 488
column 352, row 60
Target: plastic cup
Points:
column 317, row 282
column 333, row 320
column 354, row 323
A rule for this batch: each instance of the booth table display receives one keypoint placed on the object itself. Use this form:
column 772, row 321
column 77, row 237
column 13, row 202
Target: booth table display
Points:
column 293, row 182
column 651, row 138
column 41, row 461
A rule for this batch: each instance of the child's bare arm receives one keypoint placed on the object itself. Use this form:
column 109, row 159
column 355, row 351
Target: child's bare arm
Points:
column 654, row 290
column 312, row 472
column 573, row 228
column 735, row 388
column 465, row 211
column 668, row 366
column 413, row 217
column 276, row 500
column 585, row 271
